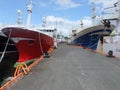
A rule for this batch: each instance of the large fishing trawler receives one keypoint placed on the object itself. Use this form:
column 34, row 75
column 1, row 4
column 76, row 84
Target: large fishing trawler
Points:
column 22, row 43
column 88, row 37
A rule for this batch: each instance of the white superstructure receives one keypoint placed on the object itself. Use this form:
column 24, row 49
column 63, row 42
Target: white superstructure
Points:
column 113, row 42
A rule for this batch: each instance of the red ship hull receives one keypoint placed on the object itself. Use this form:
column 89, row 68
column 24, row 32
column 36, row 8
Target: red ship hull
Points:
column 30, row 44
column 19, row 44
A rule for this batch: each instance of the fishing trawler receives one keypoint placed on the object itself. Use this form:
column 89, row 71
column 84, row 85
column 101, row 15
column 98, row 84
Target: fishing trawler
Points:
column 21, row 43
column 89, row 37
column 49, row 30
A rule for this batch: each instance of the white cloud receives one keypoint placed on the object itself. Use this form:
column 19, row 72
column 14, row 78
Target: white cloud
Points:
column 64, row 25
column 87, row 21
column 61, row 4
column 65, row 4
column 41, row 3
column 1, row 24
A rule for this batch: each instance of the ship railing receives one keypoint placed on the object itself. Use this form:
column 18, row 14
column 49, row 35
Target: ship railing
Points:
column 95, row 24
column 112, row 16
column 17, row 25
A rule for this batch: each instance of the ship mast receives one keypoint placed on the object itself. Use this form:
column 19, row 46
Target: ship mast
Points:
column 44, row 22
column 29, row 11
column 19, row 20
column 81, row 23
column 93, row 13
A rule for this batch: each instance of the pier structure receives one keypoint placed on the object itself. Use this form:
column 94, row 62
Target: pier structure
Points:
column 72, row 68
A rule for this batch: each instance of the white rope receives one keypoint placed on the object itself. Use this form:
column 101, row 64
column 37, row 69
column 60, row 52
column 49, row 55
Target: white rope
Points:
column 41, row 48
column 90, row 39
column 93, row 44
column 6, row 46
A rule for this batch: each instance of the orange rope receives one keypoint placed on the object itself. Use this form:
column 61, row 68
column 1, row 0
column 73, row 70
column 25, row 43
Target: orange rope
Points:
column 22, row 67
column 18, row 73
column 36, row 62
column 50, row 50
column 7, row 85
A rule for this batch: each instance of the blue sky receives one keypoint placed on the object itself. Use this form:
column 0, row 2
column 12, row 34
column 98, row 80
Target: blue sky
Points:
column 64, row 11
column 8, row 10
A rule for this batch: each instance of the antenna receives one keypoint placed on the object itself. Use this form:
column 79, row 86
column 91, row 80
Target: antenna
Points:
column 81, row 23
column 44, row 22
column 19, row 20
column 29, row 11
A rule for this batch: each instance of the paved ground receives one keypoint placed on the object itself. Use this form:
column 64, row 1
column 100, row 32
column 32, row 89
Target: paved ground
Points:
column 71, row 68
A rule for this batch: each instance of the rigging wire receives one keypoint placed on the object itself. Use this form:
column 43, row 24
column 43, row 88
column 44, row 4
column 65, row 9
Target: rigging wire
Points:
column 6, row 46
column 41, row 48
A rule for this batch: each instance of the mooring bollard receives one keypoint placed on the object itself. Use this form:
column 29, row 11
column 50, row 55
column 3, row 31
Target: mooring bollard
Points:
column 110, row 54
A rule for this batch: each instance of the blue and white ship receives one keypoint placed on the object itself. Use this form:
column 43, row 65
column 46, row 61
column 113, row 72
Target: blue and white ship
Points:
column 90, row 36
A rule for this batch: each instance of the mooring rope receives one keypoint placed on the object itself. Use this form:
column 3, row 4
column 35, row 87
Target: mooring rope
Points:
column 6, row 46
column 41, row 48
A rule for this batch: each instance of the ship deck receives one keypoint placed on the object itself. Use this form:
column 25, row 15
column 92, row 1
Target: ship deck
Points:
column 72, row 68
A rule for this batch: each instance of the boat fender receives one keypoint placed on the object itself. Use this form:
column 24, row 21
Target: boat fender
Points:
column 55, row 47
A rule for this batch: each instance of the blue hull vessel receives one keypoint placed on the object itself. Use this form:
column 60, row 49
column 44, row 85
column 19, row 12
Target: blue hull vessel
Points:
column 89, row 37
